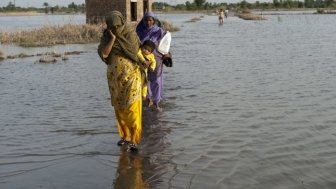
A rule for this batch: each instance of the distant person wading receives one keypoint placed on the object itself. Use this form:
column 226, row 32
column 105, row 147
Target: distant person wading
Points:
column 221, row 16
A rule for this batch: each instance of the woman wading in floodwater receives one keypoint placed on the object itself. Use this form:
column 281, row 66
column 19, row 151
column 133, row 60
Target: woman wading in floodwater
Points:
column 118, row 48
column 148, row 29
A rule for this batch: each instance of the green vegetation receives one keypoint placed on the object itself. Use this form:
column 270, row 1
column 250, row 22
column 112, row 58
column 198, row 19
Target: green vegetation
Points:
column 276, row 4
column 71, row 8
column 52, row 35
column 66, row 34
column 2, row 56
column 195, row 5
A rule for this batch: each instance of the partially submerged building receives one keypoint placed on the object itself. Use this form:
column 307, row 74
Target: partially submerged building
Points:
column 133, row 10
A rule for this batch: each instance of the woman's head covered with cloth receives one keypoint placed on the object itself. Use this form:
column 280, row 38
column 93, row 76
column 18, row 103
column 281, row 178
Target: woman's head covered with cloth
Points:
column 149, row 28
column 127, row 42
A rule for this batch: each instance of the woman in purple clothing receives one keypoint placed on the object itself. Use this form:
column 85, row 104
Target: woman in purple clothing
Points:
column 149, row 29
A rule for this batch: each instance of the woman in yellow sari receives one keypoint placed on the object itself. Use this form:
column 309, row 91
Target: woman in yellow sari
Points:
column 118, row 49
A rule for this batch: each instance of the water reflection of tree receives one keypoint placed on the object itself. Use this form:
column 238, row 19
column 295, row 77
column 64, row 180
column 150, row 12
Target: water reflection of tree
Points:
column 144, row 169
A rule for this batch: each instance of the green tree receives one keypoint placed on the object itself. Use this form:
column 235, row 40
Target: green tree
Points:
column 309, row 3
column 46, row 5
column 329, row 3
column 188, row 5
column 10, row 5
column 72, row 6
column 276, row 3
column 243, row 4
column 199, row 3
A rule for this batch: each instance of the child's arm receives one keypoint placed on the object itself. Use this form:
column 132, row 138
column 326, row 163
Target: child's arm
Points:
column 153, row 62
column 144, row 60
column 140, row 56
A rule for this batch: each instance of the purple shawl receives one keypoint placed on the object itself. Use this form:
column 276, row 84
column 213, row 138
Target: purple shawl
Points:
column 154, row 33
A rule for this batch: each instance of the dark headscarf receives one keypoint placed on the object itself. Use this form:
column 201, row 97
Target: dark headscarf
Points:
column 127, row 42
column 154, row 33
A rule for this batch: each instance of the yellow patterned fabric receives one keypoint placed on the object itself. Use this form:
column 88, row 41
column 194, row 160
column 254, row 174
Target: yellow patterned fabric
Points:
column 124, row 81
column 119, row 51
column 151, row 58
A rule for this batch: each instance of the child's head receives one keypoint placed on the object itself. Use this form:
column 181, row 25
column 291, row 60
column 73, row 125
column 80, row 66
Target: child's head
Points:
column 147, row 47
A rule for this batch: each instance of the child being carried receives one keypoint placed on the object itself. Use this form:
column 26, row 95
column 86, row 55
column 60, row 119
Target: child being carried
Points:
column 147, row 59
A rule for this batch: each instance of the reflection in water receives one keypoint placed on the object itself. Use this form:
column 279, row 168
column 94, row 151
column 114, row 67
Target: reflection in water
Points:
column 129, row 172
column 144, row 169
column 154, row 131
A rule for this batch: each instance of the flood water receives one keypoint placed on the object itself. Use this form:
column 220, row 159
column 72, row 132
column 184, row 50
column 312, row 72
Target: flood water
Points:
column 247, row 104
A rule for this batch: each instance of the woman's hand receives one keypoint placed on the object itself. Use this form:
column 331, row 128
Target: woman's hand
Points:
column 113, row 37
column 146, row 63
column 166, row 56
column 108, row 47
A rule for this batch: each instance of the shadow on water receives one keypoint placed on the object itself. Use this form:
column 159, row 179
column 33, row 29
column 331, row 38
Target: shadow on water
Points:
column 144, row 169
column 154, row 132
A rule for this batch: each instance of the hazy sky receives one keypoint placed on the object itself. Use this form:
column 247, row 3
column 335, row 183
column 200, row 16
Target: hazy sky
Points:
column 39, row 3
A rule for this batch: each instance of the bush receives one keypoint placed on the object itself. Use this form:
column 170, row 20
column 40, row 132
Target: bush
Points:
column 168, row 26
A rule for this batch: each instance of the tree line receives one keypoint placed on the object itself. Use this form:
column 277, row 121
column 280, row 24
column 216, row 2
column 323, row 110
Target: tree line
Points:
column 191, row 6
column 276, row 4
column 71, row 8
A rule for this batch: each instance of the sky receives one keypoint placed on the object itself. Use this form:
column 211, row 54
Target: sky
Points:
column 39, row 3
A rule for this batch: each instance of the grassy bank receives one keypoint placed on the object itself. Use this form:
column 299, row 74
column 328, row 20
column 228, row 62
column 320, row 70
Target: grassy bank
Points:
column 66, row 34
column 53, row 35
column 56, row 35
column 30, row 13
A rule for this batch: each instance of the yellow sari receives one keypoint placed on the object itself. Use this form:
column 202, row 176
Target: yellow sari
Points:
column 123, row 75
column 124, row 81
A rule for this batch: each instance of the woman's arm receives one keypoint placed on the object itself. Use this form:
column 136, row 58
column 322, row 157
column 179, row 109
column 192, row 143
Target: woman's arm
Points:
column 108, row 47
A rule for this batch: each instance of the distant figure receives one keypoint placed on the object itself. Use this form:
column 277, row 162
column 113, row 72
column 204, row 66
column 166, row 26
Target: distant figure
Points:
column 147, row 60
column 226, row 13
column 221, row 16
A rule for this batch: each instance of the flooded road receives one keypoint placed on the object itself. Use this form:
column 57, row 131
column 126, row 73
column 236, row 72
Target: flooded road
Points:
column 247, row 104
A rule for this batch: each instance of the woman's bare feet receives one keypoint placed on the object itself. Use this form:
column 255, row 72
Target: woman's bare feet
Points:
column 158, row 108
column 149, row 103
